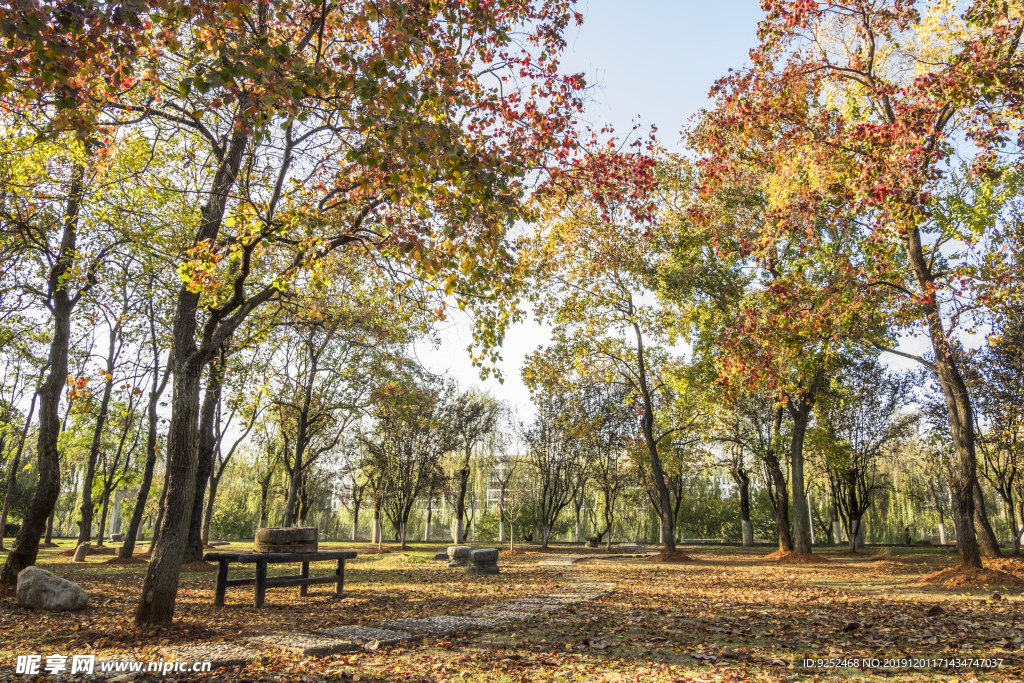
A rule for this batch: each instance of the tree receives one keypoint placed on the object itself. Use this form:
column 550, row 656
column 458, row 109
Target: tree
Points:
column 413, row 428
column 856, row 111
column 503, row 461
column 372, row 127
column 159, row 376
column 592, row 261
column 862, row 422
column 116, row 322
column 116, row 464
column 475, row 416
column 996, row 385
column 11, row 435
column 249, row 406
column 65, row 209
column 554, row 451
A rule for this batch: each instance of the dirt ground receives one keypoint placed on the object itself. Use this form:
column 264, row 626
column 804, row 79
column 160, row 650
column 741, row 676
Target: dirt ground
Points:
column 728, row 615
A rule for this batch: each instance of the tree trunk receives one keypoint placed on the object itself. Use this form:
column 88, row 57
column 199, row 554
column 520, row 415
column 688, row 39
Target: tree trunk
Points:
column 578, row 502
column 265, row 493
column 854, row 530
column 355, row 522
column 545, row 535
column 155, row 392
column 376, row 525
column 743, row 479
column 801, row 414
column 301, row 437
column 161, row 507
column 781, row 503
column 1011, row 520
column 303, row 501
column 12, row 476
column 1019, row 528
column 214, row 483
column 958, row 405
column 101, row 530
column 48, row 541
column 26, row 544
column 837, row 527
column 987, row 542
column 781, row 495
column 668, row 521
column 207, row 446
column 460, row 500
column 160, row 588
column 609, row 516
column 85, row 522
column 430, row 512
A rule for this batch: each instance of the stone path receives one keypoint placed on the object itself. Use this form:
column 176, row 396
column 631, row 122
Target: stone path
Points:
column 569, row 560
column 364, row 634
column 312, row 644
column 395, row 631
column 219, row 654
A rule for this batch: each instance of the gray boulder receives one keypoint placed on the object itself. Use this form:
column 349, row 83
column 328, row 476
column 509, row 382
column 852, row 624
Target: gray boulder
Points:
column 39, row 589
column 117, row 538
column 441, row 556
column 81, row 552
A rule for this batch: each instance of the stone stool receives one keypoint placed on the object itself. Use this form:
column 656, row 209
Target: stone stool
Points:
column 484, row 561
column 458, row 555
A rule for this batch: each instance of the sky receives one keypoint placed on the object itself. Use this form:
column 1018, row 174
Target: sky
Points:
column 651, row 61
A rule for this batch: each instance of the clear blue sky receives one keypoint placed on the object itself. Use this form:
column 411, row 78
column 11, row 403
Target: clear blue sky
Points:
column 658, row 59
column 652, row 59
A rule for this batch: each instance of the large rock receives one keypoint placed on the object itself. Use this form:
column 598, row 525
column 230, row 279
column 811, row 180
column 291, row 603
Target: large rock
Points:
column 39, row 589
column 117, row 538
column 80, row 552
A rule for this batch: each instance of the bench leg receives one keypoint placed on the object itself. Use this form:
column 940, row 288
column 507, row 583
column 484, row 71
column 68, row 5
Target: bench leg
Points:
column 261, row 582
column 222, row 583
column 339, row 588
column 304, row 573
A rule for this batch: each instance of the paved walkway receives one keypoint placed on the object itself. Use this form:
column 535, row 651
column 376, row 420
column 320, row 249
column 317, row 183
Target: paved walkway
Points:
column 396, row 631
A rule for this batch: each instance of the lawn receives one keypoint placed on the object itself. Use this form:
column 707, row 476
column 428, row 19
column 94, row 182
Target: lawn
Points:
column 728, row 615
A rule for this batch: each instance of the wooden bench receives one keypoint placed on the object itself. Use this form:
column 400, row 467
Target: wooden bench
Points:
column 262, row 583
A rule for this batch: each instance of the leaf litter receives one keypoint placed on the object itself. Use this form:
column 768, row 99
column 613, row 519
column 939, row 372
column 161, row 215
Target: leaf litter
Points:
column 729, row 616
